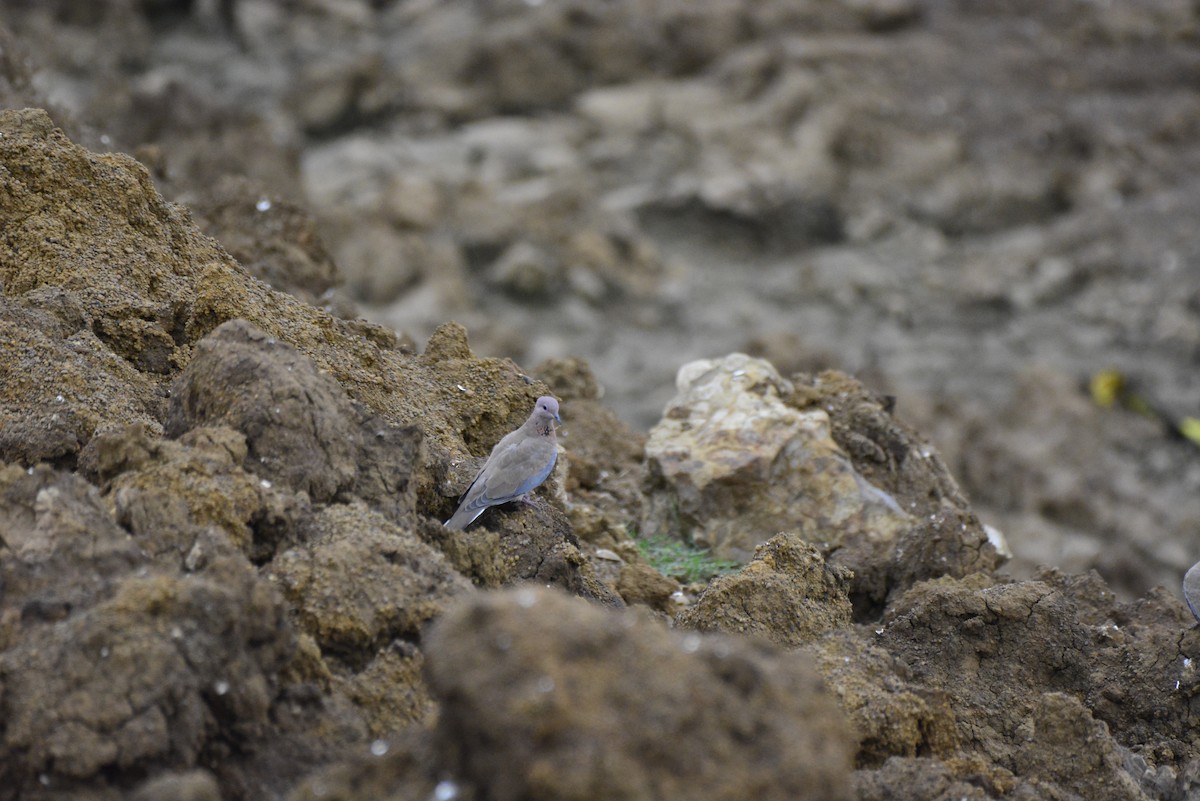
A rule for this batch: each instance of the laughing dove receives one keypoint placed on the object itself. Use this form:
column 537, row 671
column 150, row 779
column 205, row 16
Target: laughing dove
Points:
column 518, row 464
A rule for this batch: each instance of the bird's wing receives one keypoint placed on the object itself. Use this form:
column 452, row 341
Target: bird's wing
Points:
column 516, row 470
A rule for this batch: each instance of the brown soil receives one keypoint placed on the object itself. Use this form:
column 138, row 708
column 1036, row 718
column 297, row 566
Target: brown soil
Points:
column 222, row 570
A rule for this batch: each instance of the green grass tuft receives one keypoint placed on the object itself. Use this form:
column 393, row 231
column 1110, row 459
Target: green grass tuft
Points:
column 682, row 562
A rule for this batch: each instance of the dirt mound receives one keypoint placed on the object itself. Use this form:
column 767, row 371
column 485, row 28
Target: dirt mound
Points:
column 222, row 566
column 548, row 698
column 233, row 563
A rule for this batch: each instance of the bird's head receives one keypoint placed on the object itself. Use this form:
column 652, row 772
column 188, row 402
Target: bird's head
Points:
column 547, row 405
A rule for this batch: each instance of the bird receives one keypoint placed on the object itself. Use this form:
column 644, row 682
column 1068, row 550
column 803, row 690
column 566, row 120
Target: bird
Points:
column 1191, row 590
column 517, row 465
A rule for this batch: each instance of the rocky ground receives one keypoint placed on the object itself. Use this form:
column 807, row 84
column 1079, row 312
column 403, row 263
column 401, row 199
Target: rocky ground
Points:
column 222, row 572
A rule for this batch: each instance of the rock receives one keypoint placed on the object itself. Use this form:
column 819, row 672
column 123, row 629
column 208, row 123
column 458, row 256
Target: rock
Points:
column 914, row 190
column 448, row 343
column 972, row 200
column 992, row 624
column 333, row 90
column 888, row 453
column 1145, row 667
column 156, row 559
column 399, row 768
column 526, row 272
column 16, row 82
column 884, row 15
column 894, row 466
column 639, row 583
column 414, row 201
column 547, row 697
column 137, row 325
column 150, row 666
column 786, row 594
column 933, row 780
column 669, row 142
column 536, row 60
column 1054, row 724
column 118, row 283
column 116, row 666
column 192, row 138
column 733, row 464
column 389, row 263
column 298, row 423
column 531, row 544
column 390, row 690
column 142, row 276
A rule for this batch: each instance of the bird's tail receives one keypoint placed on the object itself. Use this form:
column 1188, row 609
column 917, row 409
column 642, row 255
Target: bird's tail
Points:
column 461, row 519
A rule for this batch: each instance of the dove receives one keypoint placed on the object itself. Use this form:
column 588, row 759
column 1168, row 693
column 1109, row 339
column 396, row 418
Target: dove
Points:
column 518, row 464
column 1191, row 590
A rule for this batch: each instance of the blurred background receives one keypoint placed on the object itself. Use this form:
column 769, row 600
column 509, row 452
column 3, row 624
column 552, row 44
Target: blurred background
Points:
column 975, row 207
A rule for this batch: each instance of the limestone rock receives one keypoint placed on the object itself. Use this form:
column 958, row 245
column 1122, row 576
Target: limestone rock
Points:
column 742, row 453
column 734, row 464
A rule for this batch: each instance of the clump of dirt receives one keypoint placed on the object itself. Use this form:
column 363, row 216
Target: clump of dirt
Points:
column 549, row 698
column 172, row 492
column 1049, row 657
column 786, row 594
column 117, row 665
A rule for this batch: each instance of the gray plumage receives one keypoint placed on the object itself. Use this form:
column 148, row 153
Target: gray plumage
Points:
column 1191, row 589
column 518, row 464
